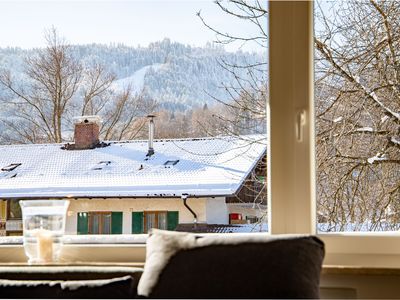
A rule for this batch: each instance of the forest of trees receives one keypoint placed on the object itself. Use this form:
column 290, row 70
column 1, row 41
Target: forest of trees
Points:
column 121, row 84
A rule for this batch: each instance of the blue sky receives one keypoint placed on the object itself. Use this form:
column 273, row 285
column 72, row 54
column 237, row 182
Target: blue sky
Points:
column 132, row 22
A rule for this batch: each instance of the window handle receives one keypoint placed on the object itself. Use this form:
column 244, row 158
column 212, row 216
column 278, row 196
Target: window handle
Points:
column 301, row 117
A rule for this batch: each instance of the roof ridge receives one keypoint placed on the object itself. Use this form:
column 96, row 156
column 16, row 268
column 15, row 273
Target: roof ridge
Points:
column 139, row 141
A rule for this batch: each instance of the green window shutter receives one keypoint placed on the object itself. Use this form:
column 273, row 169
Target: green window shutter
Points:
column 173, row 219
column 137, row 222
column 83, row 223
column 116, row 222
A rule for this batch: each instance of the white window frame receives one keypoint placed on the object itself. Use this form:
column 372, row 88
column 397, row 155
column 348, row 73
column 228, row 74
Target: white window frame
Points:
column 291, row 171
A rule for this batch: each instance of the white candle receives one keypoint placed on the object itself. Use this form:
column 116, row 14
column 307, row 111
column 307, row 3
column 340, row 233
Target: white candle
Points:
column 44, row 245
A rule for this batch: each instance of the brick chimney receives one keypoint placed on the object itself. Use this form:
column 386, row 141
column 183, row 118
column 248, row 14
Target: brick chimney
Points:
column 86, row 133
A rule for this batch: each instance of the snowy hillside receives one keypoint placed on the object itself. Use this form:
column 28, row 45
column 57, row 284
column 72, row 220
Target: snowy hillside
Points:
column 175, row 75
column 137, row 81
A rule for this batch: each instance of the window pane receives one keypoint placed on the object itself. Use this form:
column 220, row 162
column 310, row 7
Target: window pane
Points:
column 106, row 225
column 94, row 223
column 162, row 220
column 14, row 210
column 150, row 221
column 208, row 94
column 357, row 101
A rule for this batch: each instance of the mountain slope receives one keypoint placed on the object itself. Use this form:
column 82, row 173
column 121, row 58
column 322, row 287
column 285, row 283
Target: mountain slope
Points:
column 177, row 76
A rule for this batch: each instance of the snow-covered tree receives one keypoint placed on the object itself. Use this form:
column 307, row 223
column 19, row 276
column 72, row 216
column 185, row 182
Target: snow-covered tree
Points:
column 358, row 114
column 54, row 86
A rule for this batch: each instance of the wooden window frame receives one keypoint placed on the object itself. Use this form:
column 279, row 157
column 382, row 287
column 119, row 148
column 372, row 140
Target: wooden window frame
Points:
column 101, row 213
column 156, row 212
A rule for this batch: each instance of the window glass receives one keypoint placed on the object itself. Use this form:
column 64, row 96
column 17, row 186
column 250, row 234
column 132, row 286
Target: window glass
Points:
column 14, row 210
column 106, row 224
column 357, row 103
column 94, row 223
column 150, row 221
column 166, row 121
column 162, row 221
column 155, row 220
column 99, row 223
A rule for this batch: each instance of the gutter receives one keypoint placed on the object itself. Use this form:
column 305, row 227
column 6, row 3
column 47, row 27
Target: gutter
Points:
column 184, row 198
column 85, row 196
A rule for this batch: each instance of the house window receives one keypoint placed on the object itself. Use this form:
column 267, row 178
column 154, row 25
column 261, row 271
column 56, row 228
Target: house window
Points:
column 155, row 219
column 99, row 223
column 10, row 167
column 142, row 222
column 101, row 165
column 14, row 217
column 14, row 211
column 170, row 163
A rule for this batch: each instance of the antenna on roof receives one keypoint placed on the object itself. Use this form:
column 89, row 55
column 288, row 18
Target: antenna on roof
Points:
column 150, row 152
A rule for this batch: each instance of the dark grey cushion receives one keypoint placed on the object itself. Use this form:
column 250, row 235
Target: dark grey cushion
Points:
column 122, row 287
column 280, row 268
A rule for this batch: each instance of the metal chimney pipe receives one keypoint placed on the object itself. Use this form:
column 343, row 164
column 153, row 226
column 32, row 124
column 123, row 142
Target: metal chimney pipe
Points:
column 151, row 135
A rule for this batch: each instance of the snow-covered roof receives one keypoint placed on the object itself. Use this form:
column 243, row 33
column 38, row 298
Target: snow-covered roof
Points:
column 199, row 167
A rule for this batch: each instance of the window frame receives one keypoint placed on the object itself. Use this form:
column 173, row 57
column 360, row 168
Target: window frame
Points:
column 101, row 219
column 156, row 213
column 292, row 192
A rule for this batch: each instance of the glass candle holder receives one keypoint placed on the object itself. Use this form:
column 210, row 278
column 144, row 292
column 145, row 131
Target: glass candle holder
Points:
column 43, row 224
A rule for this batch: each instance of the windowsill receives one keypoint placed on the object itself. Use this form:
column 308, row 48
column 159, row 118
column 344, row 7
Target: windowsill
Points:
column 82, row 253
column 385, row 243
column 359, row 270
column 344, row 251
column 87, row 239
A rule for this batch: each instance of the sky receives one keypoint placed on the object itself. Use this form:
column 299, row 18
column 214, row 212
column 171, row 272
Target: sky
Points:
column 131, row 22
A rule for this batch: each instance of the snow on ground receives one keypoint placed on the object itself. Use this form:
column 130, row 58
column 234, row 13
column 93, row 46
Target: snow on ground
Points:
column 377, row 157
column 384, row 118
column 136, row 81
column 338, row 119
column 367, row 227
column 395, row 140
column 365, row 129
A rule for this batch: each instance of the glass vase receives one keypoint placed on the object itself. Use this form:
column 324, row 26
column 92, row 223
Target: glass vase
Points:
column 43, row 224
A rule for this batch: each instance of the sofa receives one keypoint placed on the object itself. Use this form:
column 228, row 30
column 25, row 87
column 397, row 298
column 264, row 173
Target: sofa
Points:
column 186, row 265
